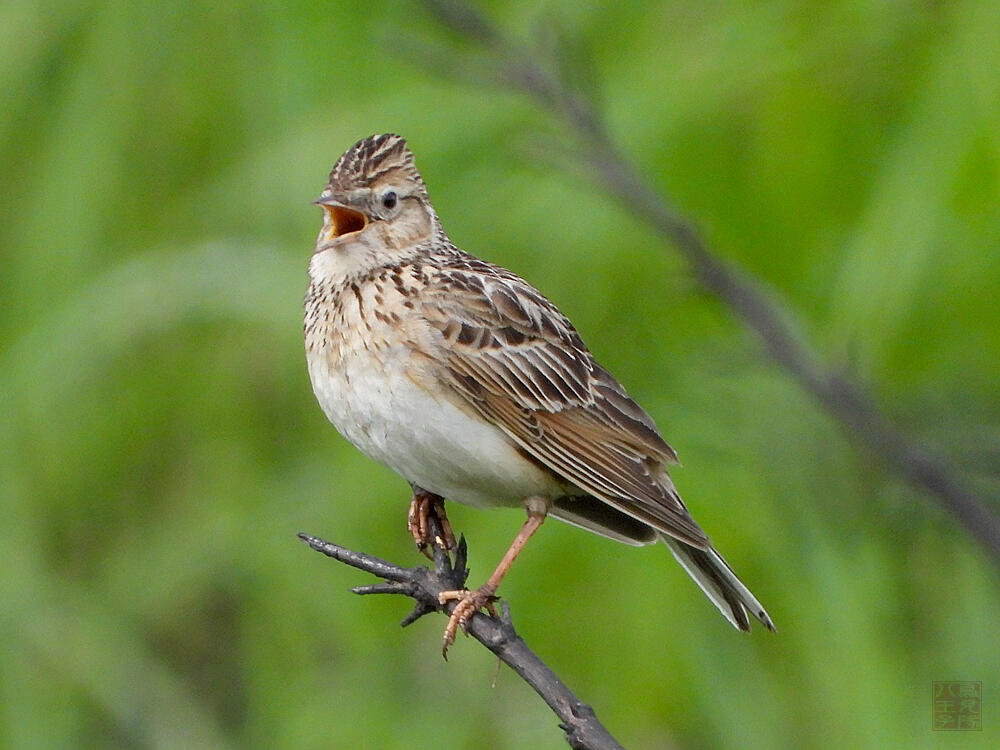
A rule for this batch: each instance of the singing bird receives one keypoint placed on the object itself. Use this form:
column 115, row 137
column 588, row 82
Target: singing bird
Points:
column 466, row 381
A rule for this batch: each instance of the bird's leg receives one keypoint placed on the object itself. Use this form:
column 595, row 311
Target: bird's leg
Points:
column 470, row 602
column 422, row 505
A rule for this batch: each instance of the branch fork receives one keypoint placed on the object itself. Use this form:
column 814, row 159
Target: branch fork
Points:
column 424, row 585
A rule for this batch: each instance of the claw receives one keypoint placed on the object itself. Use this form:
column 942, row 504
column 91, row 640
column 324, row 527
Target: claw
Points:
column 468, row 603
column 422, row 506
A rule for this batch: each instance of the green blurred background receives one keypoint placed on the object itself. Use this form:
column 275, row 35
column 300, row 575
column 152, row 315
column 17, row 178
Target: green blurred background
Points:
column 160, row 444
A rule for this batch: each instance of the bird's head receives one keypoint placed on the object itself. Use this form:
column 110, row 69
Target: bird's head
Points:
column 375, row 201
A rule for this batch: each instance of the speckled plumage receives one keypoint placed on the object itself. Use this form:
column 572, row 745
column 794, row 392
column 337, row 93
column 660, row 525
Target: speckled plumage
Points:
column 465, row 380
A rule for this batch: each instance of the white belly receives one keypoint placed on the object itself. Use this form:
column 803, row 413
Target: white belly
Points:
column 427, row 440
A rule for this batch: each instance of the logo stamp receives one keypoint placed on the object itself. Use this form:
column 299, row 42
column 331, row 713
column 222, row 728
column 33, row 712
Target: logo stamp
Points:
column 957, row 705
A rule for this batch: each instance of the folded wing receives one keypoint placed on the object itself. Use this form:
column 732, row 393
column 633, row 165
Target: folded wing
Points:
column 522, row 366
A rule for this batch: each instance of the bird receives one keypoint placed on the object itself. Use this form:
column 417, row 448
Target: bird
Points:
column 465, row 380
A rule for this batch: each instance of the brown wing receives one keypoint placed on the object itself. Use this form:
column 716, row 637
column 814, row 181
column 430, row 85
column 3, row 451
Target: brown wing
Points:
column 520, row 363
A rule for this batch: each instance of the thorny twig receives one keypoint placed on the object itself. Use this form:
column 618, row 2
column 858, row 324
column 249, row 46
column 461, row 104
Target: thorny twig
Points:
column 577, row 719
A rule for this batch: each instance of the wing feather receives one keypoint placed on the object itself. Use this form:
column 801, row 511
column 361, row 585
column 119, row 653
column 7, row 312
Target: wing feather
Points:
column 521, row 365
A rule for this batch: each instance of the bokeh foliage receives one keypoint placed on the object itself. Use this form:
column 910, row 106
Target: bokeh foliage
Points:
column 160, row 445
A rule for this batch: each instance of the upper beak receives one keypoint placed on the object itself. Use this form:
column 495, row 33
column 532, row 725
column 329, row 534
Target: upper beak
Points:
column 343, row 220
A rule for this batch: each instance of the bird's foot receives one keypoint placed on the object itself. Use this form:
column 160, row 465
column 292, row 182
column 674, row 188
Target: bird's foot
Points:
column 468, row 603
column 422, row 507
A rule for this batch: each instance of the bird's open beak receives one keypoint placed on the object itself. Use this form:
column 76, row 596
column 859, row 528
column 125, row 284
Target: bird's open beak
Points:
column 343, row 220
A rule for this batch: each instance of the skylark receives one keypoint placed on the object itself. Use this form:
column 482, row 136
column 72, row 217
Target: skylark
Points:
column 463, row 379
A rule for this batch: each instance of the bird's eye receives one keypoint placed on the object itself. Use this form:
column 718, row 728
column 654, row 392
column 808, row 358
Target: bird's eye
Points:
column 389, row 199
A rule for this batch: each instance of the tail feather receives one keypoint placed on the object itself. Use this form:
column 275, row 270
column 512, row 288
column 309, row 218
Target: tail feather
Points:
column 720, row 583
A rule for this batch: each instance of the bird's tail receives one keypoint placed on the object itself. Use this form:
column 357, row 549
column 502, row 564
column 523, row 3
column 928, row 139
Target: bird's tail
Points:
column 720, row 583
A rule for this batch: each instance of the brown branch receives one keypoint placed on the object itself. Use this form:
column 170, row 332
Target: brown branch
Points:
column 759, row 309
column 577, row 719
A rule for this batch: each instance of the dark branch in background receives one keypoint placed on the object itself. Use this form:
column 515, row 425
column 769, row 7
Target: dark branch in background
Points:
column 577, row 719
column 545, row 76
